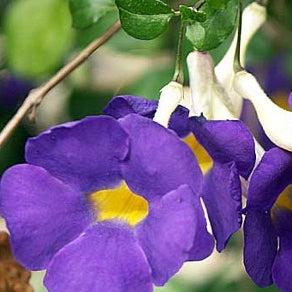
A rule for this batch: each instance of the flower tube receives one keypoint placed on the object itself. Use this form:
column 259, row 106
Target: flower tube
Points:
column 277, row 122
column 170, row 97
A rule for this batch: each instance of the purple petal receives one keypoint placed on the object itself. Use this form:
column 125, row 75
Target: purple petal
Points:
column 13, row 90
column 167, row 234
column 203, row 244
column 83, row 154
column 43, row 214
column 159, row 161
column 179, row 121
column 270, row 178
column 260, row 246
column 105, row 258
column 290, row 100
column 222, row 197
column 121, row 106
column 277, row 80
column 282, row 268
column 226, row 141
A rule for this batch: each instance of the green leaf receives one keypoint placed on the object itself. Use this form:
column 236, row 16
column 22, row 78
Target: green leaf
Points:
column 219, row 24
column 217, row 4
column 144, row 19
column 37, row 36
column 189, row 14
column 87, row 12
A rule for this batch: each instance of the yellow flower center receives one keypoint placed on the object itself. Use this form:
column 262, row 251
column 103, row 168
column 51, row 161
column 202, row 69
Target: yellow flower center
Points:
column 280, row 98
column 285, row 199
column 204, row 159
column 120, row 204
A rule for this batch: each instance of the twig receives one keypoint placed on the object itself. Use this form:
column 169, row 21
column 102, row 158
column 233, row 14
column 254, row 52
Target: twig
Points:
column 36, row 95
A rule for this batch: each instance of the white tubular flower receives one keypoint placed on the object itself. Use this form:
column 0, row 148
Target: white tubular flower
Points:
column 222, row 105
column 253, row 17
column 170, row 97
column 277, row 122
column 201, row 72
column 206, row 90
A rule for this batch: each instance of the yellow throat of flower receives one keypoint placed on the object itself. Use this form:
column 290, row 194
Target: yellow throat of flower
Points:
column 204, row 159
column 285, row 199
column 120, row 204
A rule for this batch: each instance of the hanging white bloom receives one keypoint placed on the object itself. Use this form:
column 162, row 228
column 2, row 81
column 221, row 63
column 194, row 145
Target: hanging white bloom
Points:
column 277, row 122
column 201, row 74
column 253, row 17
column 211, row 89
column 206, row 89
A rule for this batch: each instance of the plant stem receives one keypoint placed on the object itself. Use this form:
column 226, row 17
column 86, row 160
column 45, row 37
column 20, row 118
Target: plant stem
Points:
column 178, row 73
column 237, row 63
column 36, row 95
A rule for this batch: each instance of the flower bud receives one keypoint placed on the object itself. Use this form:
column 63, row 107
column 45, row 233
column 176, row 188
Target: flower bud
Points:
column 208, row 96
column 201, row 72
column 170, row 97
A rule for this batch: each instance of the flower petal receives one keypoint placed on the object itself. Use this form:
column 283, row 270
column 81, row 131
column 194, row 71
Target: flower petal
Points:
column 270, row 178
column 123, row 105
column 159, row 161
column 106, row 258
column 179, row 121
column 290, row 100
column 167, row 234
column 222, row 197
column 282, row 268
column 84, row 154
column 203, row 244
column 226, row 141
column 260, row 247
column 42, row 213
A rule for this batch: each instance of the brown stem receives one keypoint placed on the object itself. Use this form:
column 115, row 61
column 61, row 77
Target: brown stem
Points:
column 36, row 95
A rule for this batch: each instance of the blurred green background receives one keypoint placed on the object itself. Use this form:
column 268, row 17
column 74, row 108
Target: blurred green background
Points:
column 36, row 39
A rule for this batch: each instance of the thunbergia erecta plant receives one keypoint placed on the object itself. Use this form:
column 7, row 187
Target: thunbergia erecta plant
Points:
column 119, row 202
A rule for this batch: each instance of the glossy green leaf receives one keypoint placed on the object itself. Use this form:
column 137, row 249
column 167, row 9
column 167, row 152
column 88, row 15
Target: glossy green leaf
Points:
column 219, row 24
column 189, row 14
column 87, row 12
column 37, row 36
column 144, row 19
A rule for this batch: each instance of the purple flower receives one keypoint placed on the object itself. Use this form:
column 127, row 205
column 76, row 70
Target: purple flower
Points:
column 13, row 90
column 106, row 205
column 228, row 145
column 268, row 222
column 277, row 78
